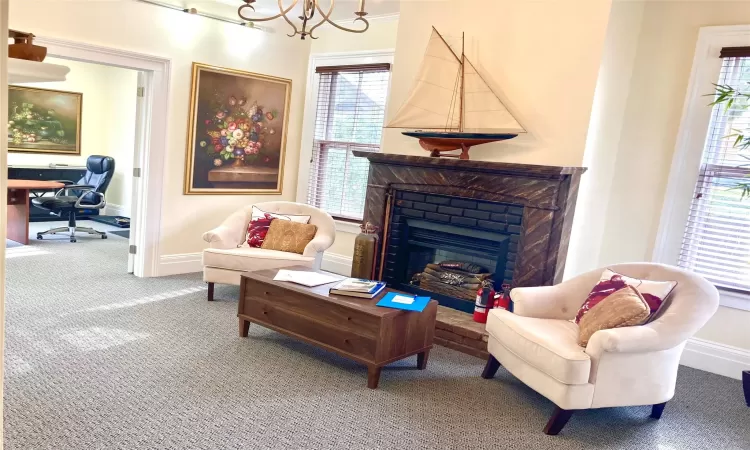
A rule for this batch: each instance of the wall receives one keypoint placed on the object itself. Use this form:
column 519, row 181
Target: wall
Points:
column 107, row 124
column 541, row 57
column 183, row 38
column 380, row 36
column 605, row 129
column 656, row 93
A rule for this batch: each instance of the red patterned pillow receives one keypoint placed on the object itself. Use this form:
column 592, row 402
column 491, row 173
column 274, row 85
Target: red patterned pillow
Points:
column 256, row 231
column 261, row 220
column 654, row 292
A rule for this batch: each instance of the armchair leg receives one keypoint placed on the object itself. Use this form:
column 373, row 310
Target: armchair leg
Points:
column 657, row 410
column 558, row 420
column 746, row 385
column 490, row 369
column 210, row 292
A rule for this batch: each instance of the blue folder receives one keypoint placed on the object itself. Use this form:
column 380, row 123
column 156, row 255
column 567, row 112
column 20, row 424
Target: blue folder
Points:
column 406, row 302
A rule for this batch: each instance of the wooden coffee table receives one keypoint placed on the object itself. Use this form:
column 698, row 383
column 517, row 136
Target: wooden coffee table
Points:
column 352, row 327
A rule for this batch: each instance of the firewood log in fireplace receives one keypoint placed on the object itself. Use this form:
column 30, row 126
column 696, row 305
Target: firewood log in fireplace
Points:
column 452, row 282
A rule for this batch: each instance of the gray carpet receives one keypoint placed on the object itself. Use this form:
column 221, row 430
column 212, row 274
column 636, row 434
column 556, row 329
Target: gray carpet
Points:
column 98, row 359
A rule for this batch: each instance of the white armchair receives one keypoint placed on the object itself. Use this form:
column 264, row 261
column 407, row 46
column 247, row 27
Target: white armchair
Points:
column 626, row 366
column 224, row 261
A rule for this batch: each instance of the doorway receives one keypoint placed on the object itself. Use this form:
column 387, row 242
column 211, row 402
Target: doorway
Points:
column 152, row 95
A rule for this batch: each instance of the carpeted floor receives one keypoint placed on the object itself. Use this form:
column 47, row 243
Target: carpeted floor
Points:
column 98, row 359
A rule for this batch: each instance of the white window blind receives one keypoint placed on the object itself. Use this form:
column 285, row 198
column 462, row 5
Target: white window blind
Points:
column 349, row 116
column 716, row 243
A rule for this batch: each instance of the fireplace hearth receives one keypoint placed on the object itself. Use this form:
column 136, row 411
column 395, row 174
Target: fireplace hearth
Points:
column 512, row 220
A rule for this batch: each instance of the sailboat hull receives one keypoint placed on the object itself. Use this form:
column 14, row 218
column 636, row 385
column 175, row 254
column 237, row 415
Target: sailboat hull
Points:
column 438, row 142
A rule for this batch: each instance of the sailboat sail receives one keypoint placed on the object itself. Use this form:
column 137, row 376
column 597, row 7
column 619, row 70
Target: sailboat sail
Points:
column 434, row 102
column 483, row 110
column 450, row 95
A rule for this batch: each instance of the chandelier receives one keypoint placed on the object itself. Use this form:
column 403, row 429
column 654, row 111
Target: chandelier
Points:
column 309, row 10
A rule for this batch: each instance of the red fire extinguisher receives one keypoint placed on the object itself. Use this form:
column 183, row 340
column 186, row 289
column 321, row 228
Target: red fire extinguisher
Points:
column 484, row 303
column 502, row 300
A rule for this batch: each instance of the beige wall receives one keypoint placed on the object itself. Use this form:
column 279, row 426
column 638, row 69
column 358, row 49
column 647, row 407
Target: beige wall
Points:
column 183, row 38
column 605, row 129
column 644, row 148
column 541, row 57
column 107, row 123
column 380, row 36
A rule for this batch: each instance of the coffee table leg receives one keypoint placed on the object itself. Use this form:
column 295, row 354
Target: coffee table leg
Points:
column 373, row 377
column 422, row 359
column 244, row 327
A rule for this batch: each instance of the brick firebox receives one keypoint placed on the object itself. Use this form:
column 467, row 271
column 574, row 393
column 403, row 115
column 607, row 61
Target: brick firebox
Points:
column 533, row 205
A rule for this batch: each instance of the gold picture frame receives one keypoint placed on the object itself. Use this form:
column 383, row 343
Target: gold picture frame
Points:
column 237, row 132
column 44, row 121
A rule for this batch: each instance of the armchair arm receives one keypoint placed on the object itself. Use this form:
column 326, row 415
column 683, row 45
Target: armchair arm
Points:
column 86, row 190
column 637, row 339
column 102, row 202
column 230, row 233
column 542, row 302
column 320, row 243
column 82, row 187
column 560, row 301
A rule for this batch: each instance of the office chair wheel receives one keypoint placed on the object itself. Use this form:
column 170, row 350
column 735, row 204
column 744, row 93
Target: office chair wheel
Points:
column 72, row 239
column 39, row 236
column 104, row 236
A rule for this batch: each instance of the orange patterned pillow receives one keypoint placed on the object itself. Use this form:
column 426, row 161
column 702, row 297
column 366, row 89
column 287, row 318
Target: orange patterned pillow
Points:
column 288, row 236
column 625, row 307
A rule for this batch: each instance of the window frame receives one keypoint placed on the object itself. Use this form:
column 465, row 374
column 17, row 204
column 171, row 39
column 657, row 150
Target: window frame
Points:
column 308, row 121
column 688, row 154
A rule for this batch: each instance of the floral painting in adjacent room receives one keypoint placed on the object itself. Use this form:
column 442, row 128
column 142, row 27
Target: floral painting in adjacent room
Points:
column 44, row 121
column 236, row 132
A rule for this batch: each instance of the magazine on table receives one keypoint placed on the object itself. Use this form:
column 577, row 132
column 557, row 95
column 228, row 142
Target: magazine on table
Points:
column 357, row 287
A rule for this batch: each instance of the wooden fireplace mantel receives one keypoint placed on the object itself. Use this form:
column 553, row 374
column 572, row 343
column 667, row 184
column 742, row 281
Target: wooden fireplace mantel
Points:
column 547, row 194
column 470, row 165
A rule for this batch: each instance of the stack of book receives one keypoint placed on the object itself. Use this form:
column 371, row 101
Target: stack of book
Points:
column 356, row 287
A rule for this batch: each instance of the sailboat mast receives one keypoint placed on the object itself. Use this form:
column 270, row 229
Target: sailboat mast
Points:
column 463, row 78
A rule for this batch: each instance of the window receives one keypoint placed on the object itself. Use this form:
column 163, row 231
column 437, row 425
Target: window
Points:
column 349, row 116
column 716, row 243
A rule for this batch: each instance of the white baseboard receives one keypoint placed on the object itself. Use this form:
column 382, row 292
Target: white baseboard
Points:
column 716, row 358
column 179, row 263
column 336, row 263
column 115, row 210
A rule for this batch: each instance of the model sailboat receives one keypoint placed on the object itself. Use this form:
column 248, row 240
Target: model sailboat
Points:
column 451, row 106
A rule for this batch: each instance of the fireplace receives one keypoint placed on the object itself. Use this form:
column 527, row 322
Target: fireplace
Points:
column 427, row 230
column 511, row 220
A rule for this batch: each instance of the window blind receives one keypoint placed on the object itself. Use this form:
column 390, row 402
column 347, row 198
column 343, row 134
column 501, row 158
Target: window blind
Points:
column 350, row 111
column 716, row 243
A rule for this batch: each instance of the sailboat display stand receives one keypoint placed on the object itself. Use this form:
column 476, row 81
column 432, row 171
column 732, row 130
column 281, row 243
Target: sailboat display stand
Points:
column 451, row 107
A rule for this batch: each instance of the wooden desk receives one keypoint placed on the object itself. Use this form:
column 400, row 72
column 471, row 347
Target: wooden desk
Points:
column 352, row 327
column 18, row 206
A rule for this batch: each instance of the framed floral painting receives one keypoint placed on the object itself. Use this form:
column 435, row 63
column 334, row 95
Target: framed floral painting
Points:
column 236, row 132
column 44, row 121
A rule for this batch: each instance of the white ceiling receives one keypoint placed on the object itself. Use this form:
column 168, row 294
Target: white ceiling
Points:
column 344, row 8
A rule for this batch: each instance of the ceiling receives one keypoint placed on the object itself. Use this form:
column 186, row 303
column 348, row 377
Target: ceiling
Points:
column 344, row 8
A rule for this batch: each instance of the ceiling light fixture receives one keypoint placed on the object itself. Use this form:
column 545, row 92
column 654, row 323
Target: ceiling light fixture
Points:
column 309, row 8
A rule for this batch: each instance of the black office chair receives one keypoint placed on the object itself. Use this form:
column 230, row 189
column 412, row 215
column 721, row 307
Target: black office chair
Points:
column 88, row 193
